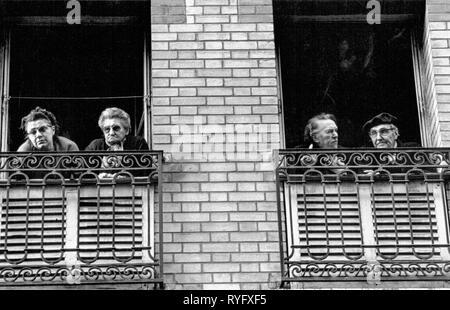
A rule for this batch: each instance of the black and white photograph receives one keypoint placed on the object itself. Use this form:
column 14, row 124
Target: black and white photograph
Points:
column 226, row 150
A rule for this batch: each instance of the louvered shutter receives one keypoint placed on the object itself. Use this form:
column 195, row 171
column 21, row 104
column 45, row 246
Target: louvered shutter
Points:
column 329, row 224
column 405, row 217
column 106, row 229
column 342, row 223
column 112, row 224
column 33, row 227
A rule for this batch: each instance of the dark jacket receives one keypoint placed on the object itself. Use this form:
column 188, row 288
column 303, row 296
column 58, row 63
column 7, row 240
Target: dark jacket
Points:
column 318, row 165
column 398, row 166
column 132, row 143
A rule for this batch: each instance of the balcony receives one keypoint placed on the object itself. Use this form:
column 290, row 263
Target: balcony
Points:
column 363, row 215
column 65, row 222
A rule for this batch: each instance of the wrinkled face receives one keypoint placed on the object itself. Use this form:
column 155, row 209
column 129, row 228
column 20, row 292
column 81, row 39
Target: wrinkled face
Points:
column 326, row 134
column 40, row 133
column 384, row 136
column 114, row 131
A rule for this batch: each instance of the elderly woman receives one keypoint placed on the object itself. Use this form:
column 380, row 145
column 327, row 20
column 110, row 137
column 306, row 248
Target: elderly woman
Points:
column 41, row 131
column 115, row 125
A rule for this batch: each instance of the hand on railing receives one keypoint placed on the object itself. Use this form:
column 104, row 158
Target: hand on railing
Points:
column 108, row 162
column 336, row 161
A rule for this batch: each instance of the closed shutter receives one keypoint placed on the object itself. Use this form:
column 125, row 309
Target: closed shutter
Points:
column 32, row 230
column 106, row 231
column 329, row 225
column 335, row 229
column 405, row 221
column 110, row 228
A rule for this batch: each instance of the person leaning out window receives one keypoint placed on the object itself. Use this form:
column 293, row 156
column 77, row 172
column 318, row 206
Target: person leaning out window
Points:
column 115, row 125
column 41, row 129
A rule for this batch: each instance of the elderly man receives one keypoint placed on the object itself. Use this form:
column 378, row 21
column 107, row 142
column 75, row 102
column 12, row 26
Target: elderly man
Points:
column 321, row 132
column 384, row 133
column 41, row 130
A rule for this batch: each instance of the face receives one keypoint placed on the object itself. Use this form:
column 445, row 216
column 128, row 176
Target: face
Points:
column 384, row 136
column 326, row 134
column 114, row 131
column 40, row 133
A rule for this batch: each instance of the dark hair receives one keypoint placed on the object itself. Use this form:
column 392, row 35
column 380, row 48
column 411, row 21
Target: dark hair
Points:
column 37, row 114
column 311, row 125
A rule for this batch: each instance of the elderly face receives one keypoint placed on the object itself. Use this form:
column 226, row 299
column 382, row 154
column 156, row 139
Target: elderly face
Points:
column 40, row 133
column 384, row 136
column 114, row 131
column 326, row 134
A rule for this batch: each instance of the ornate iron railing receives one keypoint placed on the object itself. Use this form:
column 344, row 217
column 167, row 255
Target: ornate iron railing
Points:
column 363, row 214
column 81, row 218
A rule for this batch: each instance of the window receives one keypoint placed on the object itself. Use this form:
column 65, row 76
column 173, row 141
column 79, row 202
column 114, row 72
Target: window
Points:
column 331, row 60
column 71, row 228
column 75, row 71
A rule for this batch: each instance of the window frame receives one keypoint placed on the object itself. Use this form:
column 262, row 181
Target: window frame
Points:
column 417, row 59
column 4, row 88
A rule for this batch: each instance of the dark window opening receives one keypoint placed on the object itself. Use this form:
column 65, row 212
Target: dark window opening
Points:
column 71, row 62
column 351, row 69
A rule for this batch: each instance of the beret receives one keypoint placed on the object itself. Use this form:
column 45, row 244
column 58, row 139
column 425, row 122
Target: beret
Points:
column 382, row 118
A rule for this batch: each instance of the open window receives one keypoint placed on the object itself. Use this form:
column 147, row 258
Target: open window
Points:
column 75, row 71
column 60, row 222
column 332, row 60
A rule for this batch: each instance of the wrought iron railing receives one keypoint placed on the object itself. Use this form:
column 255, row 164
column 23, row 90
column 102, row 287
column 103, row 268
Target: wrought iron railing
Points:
column 81, row 218
column 363, row 214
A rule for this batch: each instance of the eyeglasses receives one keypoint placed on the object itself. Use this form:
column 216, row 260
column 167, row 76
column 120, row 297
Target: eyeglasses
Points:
column 383, row 132
column 113, row 128
column 41, row 129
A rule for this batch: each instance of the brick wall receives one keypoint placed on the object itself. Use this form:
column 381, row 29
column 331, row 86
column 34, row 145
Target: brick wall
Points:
column 172, row 11
column 431, row 131
column 215, row 113
column 438, row 15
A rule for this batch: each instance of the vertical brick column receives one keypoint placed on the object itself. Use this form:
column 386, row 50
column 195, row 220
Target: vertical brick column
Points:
column 438, row 17
column 214, row 78
column 430, row 115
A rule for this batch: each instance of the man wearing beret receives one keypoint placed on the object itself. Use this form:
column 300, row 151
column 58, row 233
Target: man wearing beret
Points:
column 383, row 132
